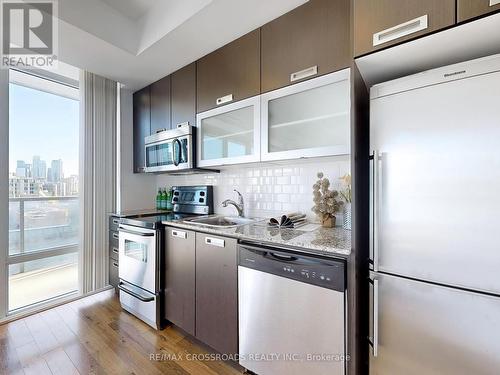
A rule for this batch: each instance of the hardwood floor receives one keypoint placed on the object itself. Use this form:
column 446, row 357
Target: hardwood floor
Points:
column 95, row 336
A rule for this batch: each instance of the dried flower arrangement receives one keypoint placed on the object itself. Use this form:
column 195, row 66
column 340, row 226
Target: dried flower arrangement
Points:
column 347, row 193
column 325, row 202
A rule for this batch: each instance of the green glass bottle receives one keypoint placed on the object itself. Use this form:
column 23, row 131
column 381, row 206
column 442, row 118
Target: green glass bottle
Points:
column 169, row 199
column 164, row 200
column 158, row 199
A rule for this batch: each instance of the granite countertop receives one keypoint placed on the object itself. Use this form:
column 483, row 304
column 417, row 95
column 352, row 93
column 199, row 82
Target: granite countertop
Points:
column 333, row 242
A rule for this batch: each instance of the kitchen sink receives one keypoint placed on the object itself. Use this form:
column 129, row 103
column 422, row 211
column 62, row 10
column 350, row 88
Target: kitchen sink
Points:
column 219, row 221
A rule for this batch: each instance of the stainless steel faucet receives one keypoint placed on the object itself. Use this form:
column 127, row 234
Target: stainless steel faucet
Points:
column 240, row 206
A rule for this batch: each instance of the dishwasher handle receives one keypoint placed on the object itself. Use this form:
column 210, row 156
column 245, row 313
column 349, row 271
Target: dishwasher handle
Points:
column 283, row 258
column 284, row 255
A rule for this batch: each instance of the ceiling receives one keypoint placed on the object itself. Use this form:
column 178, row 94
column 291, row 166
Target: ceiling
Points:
column 133, row 9
column 137, row 42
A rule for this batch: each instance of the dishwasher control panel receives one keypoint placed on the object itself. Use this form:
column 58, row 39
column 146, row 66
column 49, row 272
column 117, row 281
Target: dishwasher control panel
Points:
column 328, row 273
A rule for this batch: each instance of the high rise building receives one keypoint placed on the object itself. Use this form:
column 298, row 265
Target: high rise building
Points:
column 21, row 169
column 56, row 169
column 39, row 168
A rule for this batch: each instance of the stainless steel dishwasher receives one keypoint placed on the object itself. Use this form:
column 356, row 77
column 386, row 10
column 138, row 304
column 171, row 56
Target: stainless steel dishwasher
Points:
column 291, row 312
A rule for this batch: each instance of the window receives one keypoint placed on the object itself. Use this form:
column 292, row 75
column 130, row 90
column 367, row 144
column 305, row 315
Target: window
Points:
column 43, row 189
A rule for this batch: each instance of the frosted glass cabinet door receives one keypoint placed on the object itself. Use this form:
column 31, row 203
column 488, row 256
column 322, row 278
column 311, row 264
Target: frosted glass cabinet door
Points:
column 307, row 119
column 230, row 134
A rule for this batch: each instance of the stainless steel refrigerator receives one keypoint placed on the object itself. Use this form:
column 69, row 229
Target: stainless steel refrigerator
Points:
column 435, row 210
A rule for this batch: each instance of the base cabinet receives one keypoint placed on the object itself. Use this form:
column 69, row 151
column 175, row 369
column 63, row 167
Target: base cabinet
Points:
column 114, row 279
column 180, row 278
column 217, row 292
column 201, row 287
column 113, row 251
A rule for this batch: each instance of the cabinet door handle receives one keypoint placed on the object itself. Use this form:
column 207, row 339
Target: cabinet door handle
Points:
column 116, row 221
column 406, row 28
column 115, row 264
column 185, row 123
column 116, row 236
column 179, row 234
column 494, row 2
column 301, row 74
column 115, row 250
column 224, row 99
column 215, row 241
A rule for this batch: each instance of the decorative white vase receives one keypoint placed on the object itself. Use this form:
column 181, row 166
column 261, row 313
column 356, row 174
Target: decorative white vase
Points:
column 346, row 224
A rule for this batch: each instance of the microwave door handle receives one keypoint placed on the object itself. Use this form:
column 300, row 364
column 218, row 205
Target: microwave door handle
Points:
column 176, row 157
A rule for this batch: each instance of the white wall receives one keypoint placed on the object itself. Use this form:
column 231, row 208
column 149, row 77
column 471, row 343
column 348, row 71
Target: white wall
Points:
column 4, row 186
column 134, row 191
column 268, row 189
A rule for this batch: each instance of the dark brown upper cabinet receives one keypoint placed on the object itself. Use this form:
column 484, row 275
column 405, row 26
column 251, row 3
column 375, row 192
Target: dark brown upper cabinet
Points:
column 230, row 73
column 468, row 9
column 160, row 105
column 382, row 23
column 184, row 96
column 141, row 126
column 311, row 40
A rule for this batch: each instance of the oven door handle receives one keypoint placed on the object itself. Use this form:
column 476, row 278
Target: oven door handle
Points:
column 133, row 294
column 124, row 230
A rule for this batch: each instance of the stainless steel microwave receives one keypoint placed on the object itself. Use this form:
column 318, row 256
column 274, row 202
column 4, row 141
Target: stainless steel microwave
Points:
column 171, row 150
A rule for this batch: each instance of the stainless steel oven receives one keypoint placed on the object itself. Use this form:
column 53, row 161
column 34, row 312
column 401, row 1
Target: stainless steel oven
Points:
column 139, row 284
column 142, row 253
column 170, row 150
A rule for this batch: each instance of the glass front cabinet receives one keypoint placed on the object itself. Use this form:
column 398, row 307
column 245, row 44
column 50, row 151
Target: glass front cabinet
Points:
column 229, row 134
column 308, row 119
column 304, row 120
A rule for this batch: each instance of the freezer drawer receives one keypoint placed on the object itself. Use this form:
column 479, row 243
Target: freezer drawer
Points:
column 437, row 182
column 432, row 330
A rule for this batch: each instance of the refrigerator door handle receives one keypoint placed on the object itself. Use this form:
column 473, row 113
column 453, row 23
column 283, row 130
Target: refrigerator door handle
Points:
column 374, row 339
column 374, row 244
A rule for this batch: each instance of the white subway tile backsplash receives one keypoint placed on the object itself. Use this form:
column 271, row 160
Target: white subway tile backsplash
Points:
column 283, row 198
column 268, row 191
column 285, row 180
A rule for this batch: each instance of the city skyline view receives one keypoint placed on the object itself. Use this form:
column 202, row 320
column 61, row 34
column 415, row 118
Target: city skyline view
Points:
column 44, row 204
column 40, row 178
column 40, row 168
column 43, row 124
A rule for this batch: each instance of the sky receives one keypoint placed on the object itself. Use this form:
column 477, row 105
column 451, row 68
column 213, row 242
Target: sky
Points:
column 43, row 124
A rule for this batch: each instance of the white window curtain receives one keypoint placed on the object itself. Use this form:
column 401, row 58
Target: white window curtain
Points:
column 98, row 109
